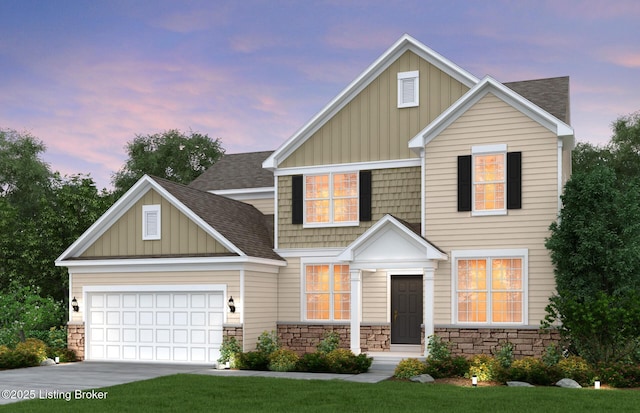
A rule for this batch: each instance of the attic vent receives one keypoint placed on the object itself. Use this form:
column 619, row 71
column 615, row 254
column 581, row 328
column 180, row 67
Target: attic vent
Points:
column 150, row 222
column 408, row 89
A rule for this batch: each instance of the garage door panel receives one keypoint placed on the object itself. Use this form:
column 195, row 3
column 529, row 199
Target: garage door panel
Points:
column 174, row 326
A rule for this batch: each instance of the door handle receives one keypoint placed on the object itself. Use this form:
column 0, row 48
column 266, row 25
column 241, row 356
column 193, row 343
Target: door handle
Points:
column 395, row 315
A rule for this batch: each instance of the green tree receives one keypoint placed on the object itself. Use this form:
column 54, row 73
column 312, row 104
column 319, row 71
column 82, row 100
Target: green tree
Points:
column 172, row 154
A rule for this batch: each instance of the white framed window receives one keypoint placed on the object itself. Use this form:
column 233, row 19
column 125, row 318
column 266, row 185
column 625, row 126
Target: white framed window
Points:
column 489, row 179
column 408, row 89
column 327, row 292
column 331, row 199
column 490, row 287
column 151, row 222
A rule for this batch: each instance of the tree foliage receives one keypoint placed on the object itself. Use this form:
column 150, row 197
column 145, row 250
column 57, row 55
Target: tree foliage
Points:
column 172, row 154
column 595, row 248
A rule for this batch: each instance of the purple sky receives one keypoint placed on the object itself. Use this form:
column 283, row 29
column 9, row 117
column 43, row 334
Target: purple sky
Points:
column 86, row 76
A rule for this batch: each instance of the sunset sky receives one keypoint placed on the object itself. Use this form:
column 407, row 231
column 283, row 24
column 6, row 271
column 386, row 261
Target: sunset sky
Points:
column 86, row 76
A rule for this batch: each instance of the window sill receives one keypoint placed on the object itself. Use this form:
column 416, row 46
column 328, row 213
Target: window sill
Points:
column 488, row 213
column 332, row 225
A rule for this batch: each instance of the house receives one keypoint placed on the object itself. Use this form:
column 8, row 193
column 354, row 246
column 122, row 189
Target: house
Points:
column 415, row 203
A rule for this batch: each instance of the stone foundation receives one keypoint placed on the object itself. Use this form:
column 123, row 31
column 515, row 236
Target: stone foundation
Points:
column 234, row 330
column 470, row 341
column 75, row 339
column 304, row 338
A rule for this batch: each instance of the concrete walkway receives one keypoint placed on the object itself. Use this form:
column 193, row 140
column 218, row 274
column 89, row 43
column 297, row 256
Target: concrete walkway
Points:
column 53, row 381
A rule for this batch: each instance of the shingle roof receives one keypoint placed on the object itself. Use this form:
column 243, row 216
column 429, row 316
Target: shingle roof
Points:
column 236, row 171
column 551, row 94
column 242, row 224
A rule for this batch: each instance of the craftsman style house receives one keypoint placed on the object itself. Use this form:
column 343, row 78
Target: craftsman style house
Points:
column 415, row 203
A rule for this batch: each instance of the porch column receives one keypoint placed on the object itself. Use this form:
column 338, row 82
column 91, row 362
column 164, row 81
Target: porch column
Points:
column 428, row 286
column 356, row 288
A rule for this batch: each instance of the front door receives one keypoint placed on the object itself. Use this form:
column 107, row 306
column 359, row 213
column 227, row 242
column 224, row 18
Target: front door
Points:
column 406, row 309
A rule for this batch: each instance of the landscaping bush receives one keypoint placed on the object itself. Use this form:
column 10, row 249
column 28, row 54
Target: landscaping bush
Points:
column 578, row 369
column 552, row 355
column 343, row 361
column 314, row 363
column 252, row 360
column 532, row 370
column 449, row 367
column 484, row 367
column 504, row 355
column 438, row 349
column 26, row 354
column 621, row 375
column 283, row 360
column 330, row 342
column 64, row 354
column 408, row 368
column 229, row 351
column 268, row 343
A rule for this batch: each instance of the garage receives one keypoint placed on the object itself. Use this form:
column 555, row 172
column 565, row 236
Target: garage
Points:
column 163, row 324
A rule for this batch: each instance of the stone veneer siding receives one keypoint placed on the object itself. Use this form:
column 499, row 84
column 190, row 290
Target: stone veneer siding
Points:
column 233, row 330
column 470, row 341
column 304, row 338
column 75, row 339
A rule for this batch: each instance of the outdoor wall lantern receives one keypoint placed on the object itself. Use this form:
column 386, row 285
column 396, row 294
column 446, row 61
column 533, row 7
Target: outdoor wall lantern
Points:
column 474, row 380
column 74, row 304
column 232, row 305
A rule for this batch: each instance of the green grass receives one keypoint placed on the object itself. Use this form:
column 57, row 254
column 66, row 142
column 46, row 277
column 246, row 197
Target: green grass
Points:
column 197, row 393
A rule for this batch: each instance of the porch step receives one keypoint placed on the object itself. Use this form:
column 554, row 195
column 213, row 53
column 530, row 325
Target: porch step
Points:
column 388, row 360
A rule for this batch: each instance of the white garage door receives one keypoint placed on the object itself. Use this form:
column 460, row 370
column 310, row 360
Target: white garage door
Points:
column 154, row 326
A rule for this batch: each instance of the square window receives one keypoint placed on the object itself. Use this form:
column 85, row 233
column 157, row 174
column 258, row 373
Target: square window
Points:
column 331, row 198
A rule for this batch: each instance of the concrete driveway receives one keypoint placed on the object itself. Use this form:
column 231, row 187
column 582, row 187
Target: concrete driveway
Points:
column 56, row 381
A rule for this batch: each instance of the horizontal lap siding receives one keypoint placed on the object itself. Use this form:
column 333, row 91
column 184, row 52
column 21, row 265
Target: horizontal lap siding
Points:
column 260, row 306
column 289, row 279
column 266, row 206
column 394, row 191
column 524, row 228
column 180, row 235
column 374, row 297
column 229, row 278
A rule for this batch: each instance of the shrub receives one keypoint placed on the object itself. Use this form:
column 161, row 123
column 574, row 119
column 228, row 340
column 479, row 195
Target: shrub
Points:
column 532, row 370
column 408, row 368
column 229, row 350
column 26, row 354
column 66, row 355
column 552, row 355
column 283, row 360
column 438, row 349
column 252, row 360
column 620, row 375
column 450, row 367
column 314, row 363
column 484, row 367
column 330, row 342
column 57, row 338
column 504, row 355
column 343, row 361
column 268, row 343
column 578, row 369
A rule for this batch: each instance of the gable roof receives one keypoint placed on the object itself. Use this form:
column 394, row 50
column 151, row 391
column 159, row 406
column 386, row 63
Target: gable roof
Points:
column 236, row 171
column 239, row 227
column 405, row 43
column 486, row 85
column 551, row 94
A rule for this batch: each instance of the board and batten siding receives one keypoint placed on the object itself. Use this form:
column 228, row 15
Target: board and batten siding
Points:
column 180, row 235
column 394, row 191
column 260, row 306
column 229, row 278
column 371, row 127
column 491, row 121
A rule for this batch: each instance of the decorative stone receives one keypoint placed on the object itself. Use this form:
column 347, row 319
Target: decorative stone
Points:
column 519, row 384
column 568, row 384
column 47, row 362
column 423, row 378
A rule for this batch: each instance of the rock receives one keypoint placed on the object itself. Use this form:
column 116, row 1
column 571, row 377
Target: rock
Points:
column 47, row 362
column 519, row 384
column 568, row 384
column 423, row 378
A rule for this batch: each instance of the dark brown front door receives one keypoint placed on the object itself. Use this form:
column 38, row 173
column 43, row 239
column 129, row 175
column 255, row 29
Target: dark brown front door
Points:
column 406, row 309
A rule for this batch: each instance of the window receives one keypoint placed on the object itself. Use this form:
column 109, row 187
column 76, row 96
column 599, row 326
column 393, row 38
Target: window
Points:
column 327, row 292
column 490, row 180
column 408, row 89
column 151, row 222
column 490, row 289
column 331, row 198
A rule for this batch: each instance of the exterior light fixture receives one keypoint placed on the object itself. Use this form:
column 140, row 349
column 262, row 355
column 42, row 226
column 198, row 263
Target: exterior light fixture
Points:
column 596, row 384
column 232, row 305
column 474, row 380
column 74, row 304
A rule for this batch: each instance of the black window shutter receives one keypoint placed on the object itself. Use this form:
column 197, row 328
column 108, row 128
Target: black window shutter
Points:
column 514, row 180
column 464, row 183
column 365, row 196
column 297, row 199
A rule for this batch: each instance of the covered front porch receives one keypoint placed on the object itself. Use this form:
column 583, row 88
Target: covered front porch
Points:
column 410, row 262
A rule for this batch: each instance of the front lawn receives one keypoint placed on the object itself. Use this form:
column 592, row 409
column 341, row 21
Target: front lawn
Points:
column 199, row 393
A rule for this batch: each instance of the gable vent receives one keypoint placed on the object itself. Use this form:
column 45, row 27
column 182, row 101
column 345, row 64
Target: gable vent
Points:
column 408, row 89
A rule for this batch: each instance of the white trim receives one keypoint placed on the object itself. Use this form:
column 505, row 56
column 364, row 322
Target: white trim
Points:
column 275, row 213
column 403, row 44
column 415, row 99
column 240, row 305
column 560, row 188
column 490, row 254
column 309, row 252
column 144, row 288
column 348, row 167
column 330, row 261
column 423, row 193
column 489, row 149
column 246, row 193
column 148, row 210
column 330, row 199
column 489, row 213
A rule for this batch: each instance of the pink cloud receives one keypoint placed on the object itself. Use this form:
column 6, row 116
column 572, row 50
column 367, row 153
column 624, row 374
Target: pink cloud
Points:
column 624, row 58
